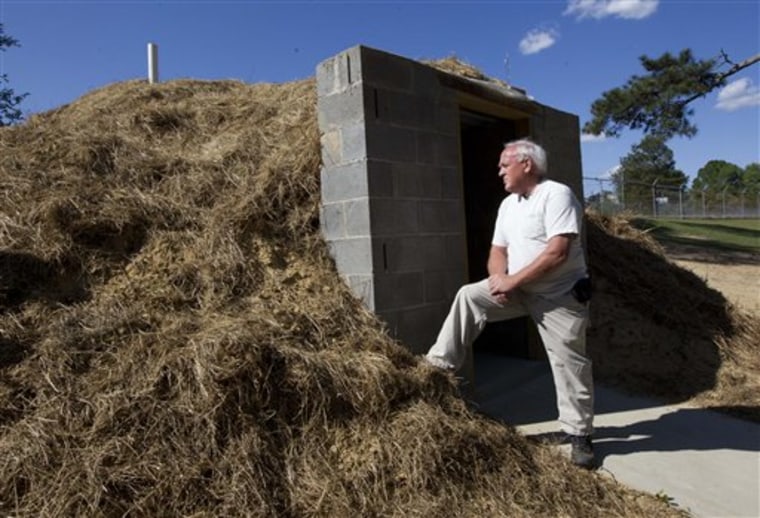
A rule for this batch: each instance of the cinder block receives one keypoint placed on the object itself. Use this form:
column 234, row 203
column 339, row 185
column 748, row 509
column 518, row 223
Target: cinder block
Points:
column 380, row 178
column 415, row 253
column 561, row 138
column 437, row 148
column 441, row 286
column 386, row 70
column 395, row 108
column 363, row 287
column 332, row 220
column 427, row 113
column 416, row 181
column 338, row 72
column 447, row 151
column 338, row 109
column 390, row 143
column 398, row 290
column 390, row 216
column 354, row 142
column 441, row 216
column 390, row 320
column 451, row 183
column 447, row 116
column 328, row 81
column 407, row 179
column 332, row 148
column 418, row 327
column 342, row 182
column 431, row 181
column 425, row 79
column 456, row 251
column 357, row 217
column 426, row 147
column 352, row 255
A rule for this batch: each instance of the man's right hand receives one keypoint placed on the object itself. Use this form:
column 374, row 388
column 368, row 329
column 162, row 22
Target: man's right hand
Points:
column 501, row 298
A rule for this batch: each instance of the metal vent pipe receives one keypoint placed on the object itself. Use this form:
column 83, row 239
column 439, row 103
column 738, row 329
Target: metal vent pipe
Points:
column 152, row 63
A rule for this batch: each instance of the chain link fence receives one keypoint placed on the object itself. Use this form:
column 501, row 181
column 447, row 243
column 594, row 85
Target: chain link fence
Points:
column 668, row 201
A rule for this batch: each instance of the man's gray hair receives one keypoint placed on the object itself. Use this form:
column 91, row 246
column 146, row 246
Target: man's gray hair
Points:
column 525, row 148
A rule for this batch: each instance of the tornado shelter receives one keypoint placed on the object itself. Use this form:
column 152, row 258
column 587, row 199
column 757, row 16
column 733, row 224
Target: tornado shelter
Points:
column 410, row 189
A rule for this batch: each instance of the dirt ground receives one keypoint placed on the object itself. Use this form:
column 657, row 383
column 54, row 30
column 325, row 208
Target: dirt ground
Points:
column 735, row 274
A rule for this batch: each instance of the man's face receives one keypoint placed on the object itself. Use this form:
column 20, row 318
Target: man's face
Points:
column 513, row 172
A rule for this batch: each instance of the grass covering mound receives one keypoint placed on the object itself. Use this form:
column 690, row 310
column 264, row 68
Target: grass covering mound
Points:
column 175, row 340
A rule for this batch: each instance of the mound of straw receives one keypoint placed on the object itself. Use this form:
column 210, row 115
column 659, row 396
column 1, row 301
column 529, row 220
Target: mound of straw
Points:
column 658, row 329
column 175, row 340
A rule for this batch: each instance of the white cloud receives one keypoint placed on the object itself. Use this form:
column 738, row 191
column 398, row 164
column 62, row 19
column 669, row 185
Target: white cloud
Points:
column 739, row 94
column 538, row 40
column 630, row 9
column 612, row 171
column 588, row 137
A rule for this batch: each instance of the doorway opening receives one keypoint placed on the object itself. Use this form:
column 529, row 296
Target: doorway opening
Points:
column 482, row 139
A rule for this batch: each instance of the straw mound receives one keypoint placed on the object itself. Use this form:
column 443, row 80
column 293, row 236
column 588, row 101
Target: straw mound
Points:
column 174, row 339
column 658, row 329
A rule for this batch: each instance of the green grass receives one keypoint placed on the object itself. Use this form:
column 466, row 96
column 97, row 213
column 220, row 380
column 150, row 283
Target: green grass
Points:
column 719, row 234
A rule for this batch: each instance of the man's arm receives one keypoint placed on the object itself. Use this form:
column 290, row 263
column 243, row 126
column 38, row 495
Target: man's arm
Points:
column 497, row 260
column 556, row 252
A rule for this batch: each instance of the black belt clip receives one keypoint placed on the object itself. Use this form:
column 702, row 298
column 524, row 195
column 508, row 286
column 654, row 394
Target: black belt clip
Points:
column 582, row 290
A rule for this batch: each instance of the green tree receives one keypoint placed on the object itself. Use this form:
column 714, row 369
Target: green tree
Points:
column 649, row 167
column 657, row 102
column 717, row 175
column 9, row 100
column 751, row 179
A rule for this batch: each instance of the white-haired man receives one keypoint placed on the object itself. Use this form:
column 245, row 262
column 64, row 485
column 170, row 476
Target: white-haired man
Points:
column 536, row 267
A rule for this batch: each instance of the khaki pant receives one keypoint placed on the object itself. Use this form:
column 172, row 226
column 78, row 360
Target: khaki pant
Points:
column 561, row 323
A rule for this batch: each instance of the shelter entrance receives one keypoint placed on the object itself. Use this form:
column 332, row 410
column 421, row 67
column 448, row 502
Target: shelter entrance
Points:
column 482, row 140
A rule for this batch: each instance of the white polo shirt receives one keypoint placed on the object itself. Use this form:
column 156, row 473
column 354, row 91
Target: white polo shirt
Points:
column 525, row 225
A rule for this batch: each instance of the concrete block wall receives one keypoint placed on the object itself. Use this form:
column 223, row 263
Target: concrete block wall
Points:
column 391, row 183
column 559, row 133
column 392, row 204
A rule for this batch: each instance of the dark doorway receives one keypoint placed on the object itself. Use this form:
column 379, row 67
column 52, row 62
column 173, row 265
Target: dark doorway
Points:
column 483, row 137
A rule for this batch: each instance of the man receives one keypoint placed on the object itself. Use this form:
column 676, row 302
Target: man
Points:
column 536, row 267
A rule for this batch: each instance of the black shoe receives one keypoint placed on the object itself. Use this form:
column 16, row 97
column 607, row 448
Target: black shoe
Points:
column 582, row 452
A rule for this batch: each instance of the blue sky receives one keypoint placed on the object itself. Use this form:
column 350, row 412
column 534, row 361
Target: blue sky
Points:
column 565, row 53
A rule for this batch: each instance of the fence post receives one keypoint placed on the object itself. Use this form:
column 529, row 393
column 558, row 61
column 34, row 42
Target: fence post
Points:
column 601, row 195
column 654, row 198
column 723, row 196
column 622, row 187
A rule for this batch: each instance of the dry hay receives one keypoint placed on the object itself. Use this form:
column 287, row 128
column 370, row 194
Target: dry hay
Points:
column 176, row 341
column 658, row 329
column 456, row 66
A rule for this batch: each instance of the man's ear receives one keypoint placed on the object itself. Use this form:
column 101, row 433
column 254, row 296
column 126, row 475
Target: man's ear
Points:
column 528, row 165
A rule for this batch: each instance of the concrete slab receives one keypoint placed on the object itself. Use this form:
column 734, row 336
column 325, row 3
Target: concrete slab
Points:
column 707, row 463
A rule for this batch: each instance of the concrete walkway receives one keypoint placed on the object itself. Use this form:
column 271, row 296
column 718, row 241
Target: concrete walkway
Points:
column 707, row 463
